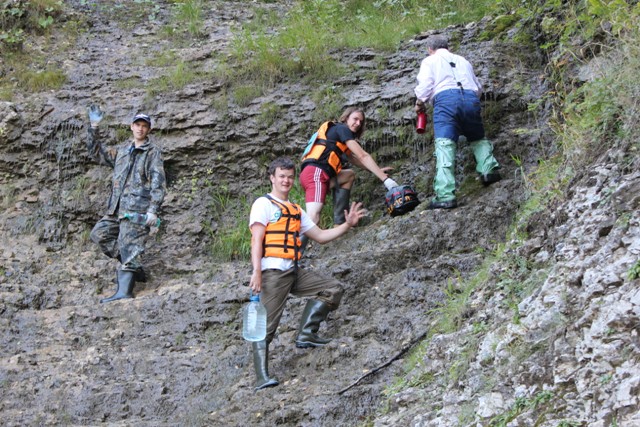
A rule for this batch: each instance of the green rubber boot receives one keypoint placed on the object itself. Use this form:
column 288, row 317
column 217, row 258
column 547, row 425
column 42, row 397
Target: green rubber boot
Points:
column 315, row 312
column 261, row 365
column 486, row 165
column 444, row 183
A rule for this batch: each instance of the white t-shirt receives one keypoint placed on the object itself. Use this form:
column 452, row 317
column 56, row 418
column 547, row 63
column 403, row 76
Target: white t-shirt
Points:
column 265, row 212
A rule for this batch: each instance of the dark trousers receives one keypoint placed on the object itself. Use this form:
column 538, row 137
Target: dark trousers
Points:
column 278, row 284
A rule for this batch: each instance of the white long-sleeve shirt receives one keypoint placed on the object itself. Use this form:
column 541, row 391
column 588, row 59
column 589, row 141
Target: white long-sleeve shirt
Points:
column 436, row 74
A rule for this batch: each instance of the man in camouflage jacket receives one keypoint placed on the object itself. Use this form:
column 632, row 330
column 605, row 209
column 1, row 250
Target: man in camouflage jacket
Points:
column 138, row 187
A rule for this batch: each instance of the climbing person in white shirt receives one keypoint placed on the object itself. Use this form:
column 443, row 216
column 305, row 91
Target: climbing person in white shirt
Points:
column 448, row 82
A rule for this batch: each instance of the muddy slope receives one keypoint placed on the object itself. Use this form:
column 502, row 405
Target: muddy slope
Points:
column 173, row 355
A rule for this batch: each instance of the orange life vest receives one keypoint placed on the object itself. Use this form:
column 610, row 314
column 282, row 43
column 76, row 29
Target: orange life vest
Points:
column 327, row 152
column 282, row 238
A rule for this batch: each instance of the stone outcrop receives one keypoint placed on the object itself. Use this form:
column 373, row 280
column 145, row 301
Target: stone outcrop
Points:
column 551, row 337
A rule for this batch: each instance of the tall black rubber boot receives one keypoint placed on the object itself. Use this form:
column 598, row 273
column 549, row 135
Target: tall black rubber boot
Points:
column 315, row 312
column 140, row 275
column 340, row 204
column 125, row 286
column 261, row 365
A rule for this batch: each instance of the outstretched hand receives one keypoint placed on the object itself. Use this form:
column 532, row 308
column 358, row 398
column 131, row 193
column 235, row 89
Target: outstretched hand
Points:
column 355, row 214
column 95, row 115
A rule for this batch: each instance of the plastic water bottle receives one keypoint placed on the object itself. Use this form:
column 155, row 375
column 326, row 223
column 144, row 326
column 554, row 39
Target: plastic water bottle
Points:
column 254, row 320
column 139, row 218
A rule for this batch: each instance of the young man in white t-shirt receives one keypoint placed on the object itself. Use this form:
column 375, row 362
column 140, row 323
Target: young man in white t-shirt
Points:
column 276, row 227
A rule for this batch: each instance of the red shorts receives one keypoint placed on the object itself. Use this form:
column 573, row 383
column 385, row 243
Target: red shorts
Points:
column 315, row 183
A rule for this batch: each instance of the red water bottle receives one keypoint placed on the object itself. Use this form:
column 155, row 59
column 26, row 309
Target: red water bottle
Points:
column 421, row 122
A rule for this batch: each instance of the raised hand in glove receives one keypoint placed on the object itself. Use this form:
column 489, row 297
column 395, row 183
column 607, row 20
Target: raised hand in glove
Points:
column 95, row 115
column 152, row 220
column 389, row 183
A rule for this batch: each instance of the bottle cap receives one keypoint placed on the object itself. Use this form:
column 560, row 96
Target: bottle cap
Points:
column 254, row 297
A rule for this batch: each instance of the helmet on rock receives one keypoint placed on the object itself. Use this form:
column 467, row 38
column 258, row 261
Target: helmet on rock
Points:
column 401, row 200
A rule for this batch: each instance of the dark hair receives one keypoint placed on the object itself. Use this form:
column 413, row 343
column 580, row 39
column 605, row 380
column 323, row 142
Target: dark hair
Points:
column 437, row 42
column 282, row 163
column 349, row 111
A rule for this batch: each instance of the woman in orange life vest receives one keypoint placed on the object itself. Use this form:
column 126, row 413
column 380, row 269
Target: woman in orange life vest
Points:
column 323, row 166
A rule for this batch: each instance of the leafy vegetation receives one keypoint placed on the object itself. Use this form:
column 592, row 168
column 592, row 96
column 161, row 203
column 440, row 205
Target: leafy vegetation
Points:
column 19, row 18
column 21, row 69
column 634, row 271
column 307, row 36
column 521, row 405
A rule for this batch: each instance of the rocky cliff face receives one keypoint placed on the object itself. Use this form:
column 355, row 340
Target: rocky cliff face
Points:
column 562, row 347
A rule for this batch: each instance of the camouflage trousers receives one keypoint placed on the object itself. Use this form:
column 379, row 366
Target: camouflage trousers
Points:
column 121, row 239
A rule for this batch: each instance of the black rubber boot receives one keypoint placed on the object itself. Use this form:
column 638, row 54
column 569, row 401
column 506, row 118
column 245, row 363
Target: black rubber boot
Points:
column 449, row 204
column 261, row 365
column 125, row 286
column 315, row 312
column 340, row 204
column 490, row 178
column 140, row 275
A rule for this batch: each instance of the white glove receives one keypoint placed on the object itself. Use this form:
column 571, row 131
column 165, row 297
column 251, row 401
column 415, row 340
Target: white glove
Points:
column 389, row 183
column 95, row 115
column 152, row 220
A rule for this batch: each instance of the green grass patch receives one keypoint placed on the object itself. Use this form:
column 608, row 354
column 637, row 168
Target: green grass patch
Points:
column 163, row 59
column 24, row 72
column 329, row 103
column 176, row 78
column 128, row 83
column 188, row 17
column 231, row 239
column 269, row 114
column 39, row 81
column 521, row 405
column 634, row 271
column 305, row 41
column 244, row 94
